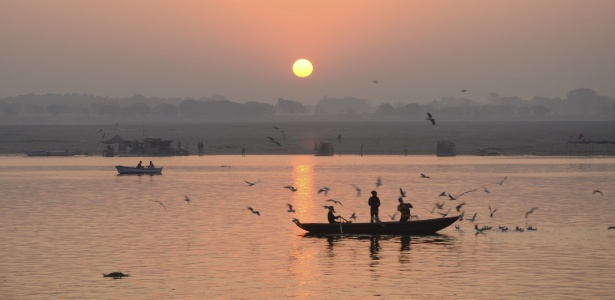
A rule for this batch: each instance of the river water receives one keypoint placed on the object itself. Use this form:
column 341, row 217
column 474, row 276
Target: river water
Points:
column 65, row 221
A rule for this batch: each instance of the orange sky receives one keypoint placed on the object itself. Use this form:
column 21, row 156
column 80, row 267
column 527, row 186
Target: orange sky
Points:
column 244, row 50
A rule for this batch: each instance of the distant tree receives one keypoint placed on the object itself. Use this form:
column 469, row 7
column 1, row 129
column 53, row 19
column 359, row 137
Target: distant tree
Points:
column 35, row 109
column 137, row 109
column 192, row 108
column 10, row 109
column 258, row 109
column 290, row 107
column 540, row 110
column 342, row 106
column 105, row 109
column 385, row 109
column 165, row 110
column 56, row 109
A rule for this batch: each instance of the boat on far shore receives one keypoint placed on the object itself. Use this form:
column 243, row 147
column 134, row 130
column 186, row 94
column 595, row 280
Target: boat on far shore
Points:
column 56, row 152
column 124, row 170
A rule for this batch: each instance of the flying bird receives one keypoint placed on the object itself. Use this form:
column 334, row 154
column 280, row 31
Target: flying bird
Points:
column 353, row 216
column 290, row 208
column 458, row 207
column 375, row 81
column 274, row 141
column 356, row 188
column 530, row 211
column 324, row 190
column 99, row 130
column 597, row 192
column 334, row 201
column 611, row 227
column 463, row 91
column 402, row 193
column 473, row 218
column 256, row 212
column 393, row 216
column 443, row 194
column 187, row 199
column 430, row 118
column 250, row 183
column 291, row 188
column 444, row 214
column 378, row 182
column 451, row 197
column 161, row 204
column 424, row 176
column 503, row 180
column 492, row 211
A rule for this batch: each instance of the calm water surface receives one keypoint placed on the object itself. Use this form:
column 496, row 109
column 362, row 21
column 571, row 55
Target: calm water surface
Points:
column 66, row 221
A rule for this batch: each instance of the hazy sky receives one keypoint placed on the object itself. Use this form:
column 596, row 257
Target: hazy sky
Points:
column 244, row 50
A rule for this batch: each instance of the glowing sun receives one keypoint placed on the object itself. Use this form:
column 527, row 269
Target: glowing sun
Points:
column 302, row 68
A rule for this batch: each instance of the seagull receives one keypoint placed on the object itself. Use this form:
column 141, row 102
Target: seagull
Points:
column 597, row 192
column 500, row 183
column 402, row 193
column 530, row 211
column 256, row 212
column 274, row 141
column 353, row 216
column 104, row 133
column 162, row 204
column 393, row 216
column 356, row 188
column 530, row 228
column 451, row 197
column 291, row 188
column 473, row 218
column 444, row 214
column 439, row 205
column 250, row 183
column 486, row 190
column 492, row 211
column 375, row 81
column 463, row 91
column 378, row 182
column 290, row 208
column 424, row 176
column 503, row 228
column 517, row 228
column 443, row 194
column 470, row 191
column 99, row 130
column 430, row 118
column 461, row 216
column 324, row 190
column 611, row 227
column 457, row 227
column 479, row 230
column 334, row 201
column 187, row 199
column 458, row 207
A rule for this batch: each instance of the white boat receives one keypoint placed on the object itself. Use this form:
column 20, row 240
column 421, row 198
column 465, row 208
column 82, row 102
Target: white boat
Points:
column 123, row 170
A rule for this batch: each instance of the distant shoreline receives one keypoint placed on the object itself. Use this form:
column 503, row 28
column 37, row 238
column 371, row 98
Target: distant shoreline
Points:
column 348, row 138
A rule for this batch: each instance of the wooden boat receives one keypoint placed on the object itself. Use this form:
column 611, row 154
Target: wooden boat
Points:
column 53, row 152
column 123, row 170
column 417, row 227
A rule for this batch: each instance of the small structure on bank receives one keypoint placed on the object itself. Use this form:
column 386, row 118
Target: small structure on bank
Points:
column 324, row 149
column 446, row 148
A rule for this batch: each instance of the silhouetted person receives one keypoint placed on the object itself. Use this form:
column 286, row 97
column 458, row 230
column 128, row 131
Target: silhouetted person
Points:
column 374, row 203
column 404, row 209
column 331, row 217
column 151, row 165
column 139, row 166
column 339, row 138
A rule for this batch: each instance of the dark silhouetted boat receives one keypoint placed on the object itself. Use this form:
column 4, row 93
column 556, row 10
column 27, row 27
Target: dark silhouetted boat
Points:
column 417, row 227
column 123, row 170
column 56, row 152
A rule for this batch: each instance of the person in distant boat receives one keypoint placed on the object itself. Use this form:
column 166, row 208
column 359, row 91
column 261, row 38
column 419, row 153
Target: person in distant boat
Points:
column 139, row 166
column 331, row 217
column 404, row 209
column 151, row 165
column 374, row 203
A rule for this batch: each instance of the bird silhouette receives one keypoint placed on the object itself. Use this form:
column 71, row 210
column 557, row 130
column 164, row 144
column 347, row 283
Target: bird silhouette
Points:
column 530, row 211
column 443, row 194
column 250, row 183
column 356, row 188
column 402, row 193
column 597, row 192
column 444, row 214
column 375, row 81
column 378, row 182
column 492, row 211
column 530, row 228
column 274, row 141
column 99, row 130
column 353, row 216
column 291, row 188
column 451, row 197
column 290, row 208
column 500, row 183
column 334, row 201
column 458, row 207
column 463, row 91
column 611, row 227
column 187, row 199
column 430, row 118
column 324, row 190
column 256, row 212
column 424, row 176
column 473, row 218
column 161, row 204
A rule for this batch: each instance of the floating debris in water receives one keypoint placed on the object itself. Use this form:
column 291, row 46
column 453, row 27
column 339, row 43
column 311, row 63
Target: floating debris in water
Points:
column 116, row 275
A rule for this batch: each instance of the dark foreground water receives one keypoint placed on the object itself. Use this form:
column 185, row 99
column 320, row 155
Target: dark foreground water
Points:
column 65, row 221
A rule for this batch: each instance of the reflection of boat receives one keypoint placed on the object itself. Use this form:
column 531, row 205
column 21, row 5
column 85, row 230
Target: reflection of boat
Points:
column 61, row 152
column 418, row 227
column 123, row 170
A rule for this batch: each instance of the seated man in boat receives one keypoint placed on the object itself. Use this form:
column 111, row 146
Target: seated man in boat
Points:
column 404, row 209
column 331, row 217
column 151, row 165
column 139, row 166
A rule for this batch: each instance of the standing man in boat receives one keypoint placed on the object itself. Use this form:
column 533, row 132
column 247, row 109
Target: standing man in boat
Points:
column 374, row 203
column 404, row 209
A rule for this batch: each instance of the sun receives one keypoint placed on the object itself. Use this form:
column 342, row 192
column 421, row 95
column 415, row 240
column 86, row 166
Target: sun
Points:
column 302, row 68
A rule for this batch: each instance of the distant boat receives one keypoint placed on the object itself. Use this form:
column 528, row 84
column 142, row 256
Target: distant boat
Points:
column 56, row 152
column 123, row 170
column 324, row 149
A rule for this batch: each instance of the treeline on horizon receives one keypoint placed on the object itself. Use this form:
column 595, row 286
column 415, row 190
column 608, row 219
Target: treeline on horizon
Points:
column 581, row 102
